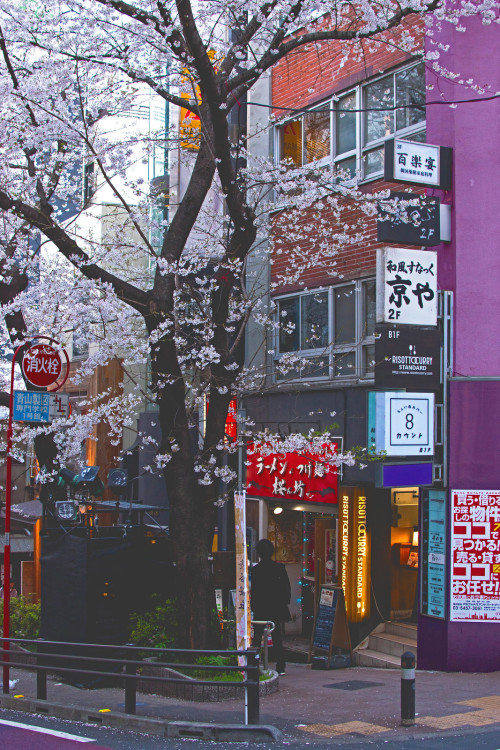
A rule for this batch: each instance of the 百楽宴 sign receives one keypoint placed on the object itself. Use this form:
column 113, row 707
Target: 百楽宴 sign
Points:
column 417, row 163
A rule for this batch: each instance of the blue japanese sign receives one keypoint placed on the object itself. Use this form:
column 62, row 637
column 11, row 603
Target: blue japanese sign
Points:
column 34, row 406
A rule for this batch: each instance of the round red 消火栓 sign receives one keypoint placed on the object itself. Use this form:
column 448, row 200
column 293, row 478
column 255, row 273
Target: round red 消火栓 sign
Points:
column 41, row 365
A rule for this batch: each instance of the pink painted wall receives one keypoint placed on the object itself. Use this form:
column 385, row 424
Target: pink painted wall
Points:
column 470, row 264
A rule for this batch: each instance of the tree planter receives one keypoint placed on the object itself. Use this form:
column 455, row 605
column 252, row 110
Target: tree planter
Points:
column 188, row 690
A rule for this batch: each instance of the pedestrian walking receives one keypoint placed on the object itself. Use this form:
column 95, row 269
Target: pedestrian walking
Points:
column 269, row 599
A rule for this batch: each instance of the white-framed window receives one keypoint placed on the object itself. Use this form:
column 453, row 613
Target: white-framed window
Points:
column 330, row 331
column 349, row 130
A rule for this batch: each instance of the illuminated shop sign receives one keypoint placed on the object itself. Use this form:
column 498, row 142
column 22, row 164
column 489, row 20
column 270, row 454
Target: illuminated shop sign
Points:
column 354, row 553
column 305, row 476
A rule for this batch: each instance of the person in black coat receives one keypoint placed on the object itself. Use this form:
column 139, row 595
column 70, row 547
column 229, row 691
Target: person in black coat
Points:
column 269, row 599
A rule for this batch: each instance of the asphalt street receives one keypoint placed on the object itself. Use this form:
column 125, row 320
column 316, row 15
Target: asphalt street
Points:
column 21, row 732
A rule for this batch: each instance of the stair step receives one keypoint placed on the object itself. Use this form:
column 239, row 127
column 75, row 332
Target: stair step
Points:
column 388, row 643
column 367, row 657
column 401, row 628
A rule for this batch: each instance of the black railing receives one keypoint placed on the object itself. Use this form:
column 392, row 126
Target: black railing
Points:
column 122, row 662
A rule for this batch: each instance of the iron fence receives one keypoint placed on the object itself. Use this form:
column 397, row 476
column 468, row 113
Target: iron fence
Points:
column 123, row 663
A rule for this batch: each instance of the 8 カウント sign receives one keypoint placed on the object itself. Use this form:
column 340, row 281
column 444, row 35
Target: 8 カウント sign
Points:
column 41, row 365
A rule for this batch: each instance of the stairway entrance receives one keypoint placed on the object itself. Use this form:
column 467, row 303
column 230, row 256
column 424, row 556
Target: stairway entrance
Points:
column 384, row 646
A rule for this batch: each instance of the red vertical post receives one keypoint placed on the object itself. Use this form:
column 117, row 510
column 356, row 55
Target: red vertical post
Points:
column 6, row 551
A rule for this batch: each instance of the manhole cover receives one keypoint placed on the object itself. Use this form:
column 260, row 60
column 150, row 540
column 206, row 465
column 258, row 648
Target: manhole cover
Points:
column 353, row 685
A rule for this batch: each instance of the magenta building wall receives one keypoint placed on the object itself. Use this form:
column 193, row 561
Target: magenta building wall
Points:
column 470, row 267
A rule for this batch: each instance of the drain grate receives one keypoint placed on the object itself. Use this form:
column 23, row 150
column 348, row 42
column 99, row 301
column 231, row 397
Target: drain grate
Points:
column 353, row 685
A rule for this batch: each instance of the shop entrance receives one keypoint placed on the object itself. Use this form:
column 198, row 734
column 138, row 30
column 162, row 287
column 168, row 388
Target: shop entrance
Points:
column 404, row 553
column 306, row 541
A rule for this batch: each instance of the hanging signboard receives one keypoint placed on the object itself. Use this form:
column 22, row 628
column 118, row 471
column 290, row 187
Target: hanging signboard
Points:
column 34, row 406
column 417, row 163
column 407, row 286
column 305, row 476
column 433, row 533
column 405, row 423
column 407, row 357
column 475, row 549
column 409, row 218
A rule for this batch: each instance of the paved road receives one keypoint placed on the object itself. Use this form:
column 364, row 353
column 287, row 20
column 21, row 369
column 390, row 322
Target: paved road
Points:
column 19, row 731
column 22, row 735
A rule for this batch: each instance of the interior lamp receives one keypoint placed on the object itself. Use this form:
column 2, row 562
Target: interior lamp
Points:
column 414, row 541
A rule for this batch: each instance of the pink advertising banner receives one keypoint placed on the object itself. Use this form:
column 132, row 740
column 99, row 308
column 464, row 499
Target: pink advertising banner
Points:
column 475, row 549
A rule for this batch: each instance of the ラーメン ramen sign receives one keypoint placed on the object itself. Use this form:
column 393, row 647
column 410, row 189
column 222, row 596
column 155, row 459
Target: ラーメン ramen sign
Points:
column 306, row 476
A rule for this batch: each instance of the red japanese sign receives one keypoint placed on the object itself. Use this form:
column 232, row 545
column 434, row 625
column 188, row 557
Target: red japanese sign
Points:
column 231, row 422
column 475, row 577
column 41, row 365
column 306, row 477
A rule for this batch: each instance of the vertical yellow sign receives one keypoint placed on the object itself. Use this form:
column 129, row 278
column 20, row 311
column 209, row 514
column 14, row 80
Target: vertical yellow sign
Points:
column 354, row 553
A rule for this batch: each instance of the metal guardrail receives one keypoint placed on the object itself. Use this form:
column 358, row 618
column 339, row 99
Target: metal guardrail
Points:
column 268, row 629
column 58, row 656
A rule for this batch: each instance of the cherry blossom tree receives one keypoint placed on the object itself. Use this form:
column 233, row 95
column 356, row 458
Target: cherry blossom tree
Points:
column 73, row 77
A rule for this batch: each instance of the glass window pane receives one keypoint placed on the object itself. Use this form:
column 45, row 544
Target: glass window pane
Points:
column 314, row 321
column 369, row 308
column 289, row 335
column 291, row 142
column 283, row 372
column 345, row 124
column 345, row 318
column 345, row 170
column 316, row 367
column 419, row 137
column 345, row 365
column 379, row 124
column 368, row 362
column 374, row 162
column 410, row 91
column 317, row 134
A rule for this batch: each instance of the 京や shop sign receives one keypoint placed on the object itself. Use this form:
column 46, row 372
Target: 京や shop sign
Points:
column 407, row 286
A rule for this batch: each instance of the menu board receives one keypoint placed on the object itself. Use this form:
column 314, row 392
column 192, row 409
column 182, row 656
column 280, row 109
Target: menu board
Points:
column 433, row 589
column 325, row 618
column 330, row 623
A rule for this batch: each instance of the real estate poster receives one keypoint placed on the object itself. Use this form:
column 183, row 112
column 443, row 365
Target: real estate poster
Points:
column 475, row 549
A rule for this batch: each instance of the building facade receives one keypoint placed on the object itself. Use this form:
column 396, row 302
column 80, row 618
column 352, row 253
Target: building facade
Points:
column 376, row 539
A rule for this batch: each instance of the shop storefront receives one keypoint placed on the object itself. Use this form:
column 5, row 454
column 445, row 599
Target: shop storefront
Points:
column 363, row 538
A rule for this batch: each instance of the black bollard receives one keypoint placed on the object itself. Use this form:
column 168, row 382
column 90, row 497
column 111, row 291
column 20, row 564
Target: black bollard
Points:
column 408, row 689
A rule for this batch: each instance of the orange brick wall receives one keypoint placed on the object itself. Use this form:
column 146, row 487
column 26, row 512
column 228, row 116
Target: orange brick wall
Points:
column 307, row 76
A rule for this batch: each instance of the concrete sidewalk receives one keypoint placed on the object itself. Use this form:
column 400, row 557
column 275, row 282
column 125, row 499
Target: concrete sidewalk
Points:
column 309, row 705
